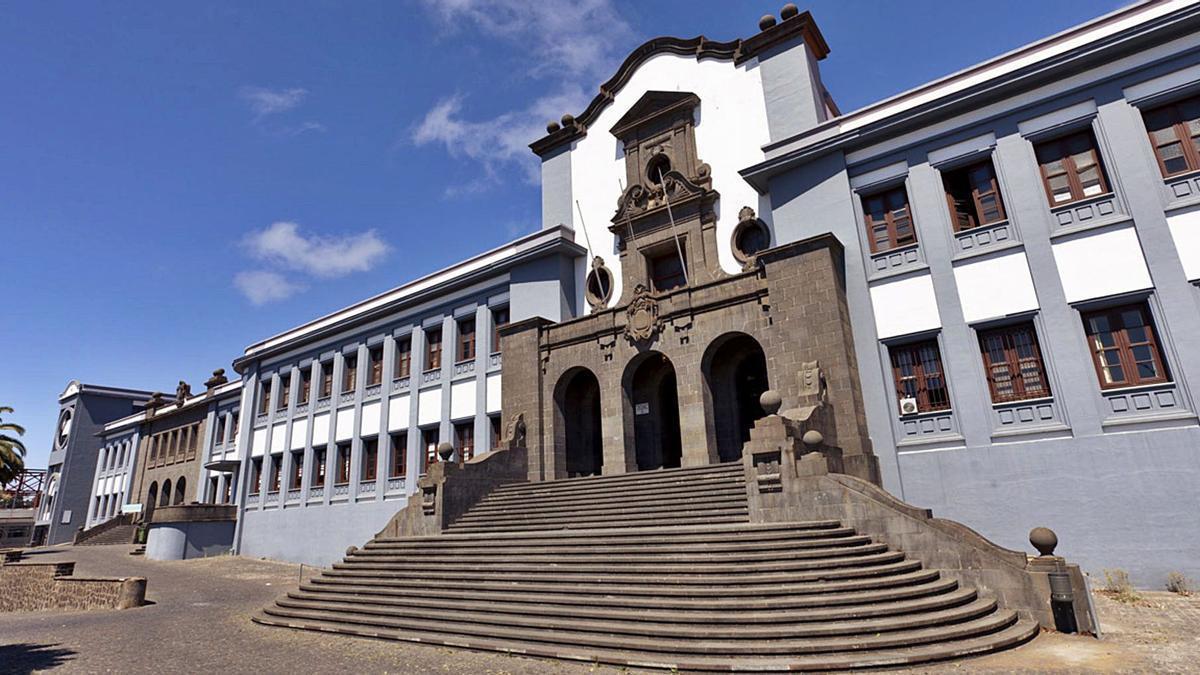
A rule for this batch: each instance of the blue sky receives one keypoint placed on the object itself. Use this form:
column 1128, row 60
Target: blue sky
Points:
column 169, row 171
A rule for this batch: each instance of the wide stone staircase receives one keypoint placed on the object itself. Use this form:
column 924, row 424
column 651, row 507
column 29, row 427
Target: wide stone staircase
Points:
column 652, row 570
column 120, row 529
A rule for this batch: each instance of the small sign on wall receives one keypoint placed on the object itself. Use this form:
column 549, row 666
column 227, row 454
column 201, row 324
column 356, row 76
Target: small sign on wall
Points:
column 66, row 517
column 131, row 508
column 641, row 409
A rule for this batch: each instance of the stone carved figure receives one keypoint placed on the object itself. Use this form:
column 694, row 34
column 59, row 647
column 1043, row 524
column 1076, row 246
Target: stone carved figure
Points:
column 182, row 392
column 514, row 435
column 812, row 381
column 642, row 314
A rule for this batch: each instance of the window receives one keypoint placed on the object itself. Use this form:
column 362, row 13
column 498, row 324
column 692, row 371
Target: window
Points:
column 285, row 391
column 349, row 374
column 889, row 220
column 305, row 385
column 370, row 458
column 233, row 426
column 1175, row 134
column 917, row 369
column 494, row 425
column 297, row 470
column 499, row 320
column 973, row 195
column 376, row 372
column 466, row 342
column 326, row 379
column 667, row 271
column 264, row 403
column 464, row 440
column 255, row 474
column 343, row 463
column 317, row 471
column 429, row 437
column 1124, row 347
column 403, row 358
column 433, row 350
column 397, row 465
column 1013, row 362
column 219, row 436
column 276, row 471
column 1071, row 168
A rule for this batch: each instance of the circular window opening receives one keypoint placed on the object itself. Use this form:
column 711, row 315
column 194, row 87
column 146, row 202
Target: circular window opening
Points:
column 749, row 238
column 657, row 167
column 599, row 286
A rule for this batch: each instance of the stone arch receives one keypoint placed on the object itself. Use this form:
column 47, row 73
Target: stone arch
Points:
column 180, row 490
column 651, row 394
column 734, row 370
column 165, row 498
column 151, row 499
column 577, row 422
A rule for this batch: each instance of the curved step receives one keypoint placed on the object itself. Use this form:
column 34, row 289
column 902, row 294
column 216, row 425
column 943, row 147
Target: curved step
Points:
column 606, row 555
column 654, row 500
column 649, row 536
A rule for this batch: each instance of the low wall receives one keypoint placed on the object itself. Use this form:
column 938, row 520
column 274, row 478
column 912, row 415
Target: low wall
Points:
column 191, row 531
column 41, row 586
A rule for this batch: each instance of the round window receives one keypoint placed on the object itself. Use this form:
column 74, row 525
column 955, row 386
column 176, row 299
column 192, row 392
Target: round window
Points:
column 657, row 167
column 64, row 428
column 599, row 285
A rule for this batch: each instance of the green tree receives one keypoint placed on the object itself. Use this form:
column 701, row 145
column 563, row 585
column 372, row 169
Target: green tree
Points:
column 12, row 450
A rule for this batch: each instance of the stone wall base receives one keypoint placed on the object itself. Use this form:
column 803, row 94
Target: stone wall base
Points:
column 38, row 586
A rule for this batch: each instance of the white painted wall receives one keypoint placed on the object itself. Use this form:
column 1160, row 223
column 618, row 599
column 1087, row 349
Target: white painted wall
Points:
column 493, row 392
column 462, row 399
column 345, row 425
column 905, row 306
column 1101, row 264
column 429, row 406
column 258, row 443
column 1185, row 230
column 370, row 419
column 731, row 131
column 398, row 413
column 995, row 287
column 278, row 439
column 320, row 429
column 299, row 431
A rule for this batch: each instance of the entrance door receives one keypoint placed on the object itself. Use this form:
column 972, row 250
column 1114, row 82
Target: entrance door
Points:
column 578, row 403
column 654, row 395
column 735, row 370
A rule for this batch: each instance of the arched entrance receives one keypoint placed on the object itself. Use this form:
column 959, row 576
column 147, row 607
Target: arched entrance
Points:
column 165, row 498
column 180, row 490
column 577, row 407
column 151, row 501
column 735, row 374
column 653, row 399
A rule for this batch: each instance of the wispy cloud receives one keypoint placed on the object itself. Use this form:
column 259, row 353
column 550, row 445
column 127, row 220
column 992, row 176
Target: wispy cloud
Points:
column 283, row 247
column 564, row 46
column 263, row 286
column 267, row 104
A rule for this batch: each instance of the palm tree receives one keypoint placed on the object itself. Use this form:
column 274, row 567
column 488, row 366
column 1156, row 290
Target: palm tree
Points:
column 12, row 450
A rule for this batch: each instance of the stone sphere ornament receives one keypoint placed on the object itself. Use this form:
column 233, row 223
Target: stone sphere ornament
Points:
column 767, row 21
column 1044, row 540
column 350, row 550
column 789, row 10
column 552, row 127
column 812, row 438
column 770, row 401
column 445, row 451
column 568, row 120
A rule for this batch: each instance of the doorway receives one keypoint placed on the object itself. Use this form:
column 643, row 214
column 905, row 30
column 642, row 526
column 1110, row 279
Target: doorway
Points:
column 652, row 393
column 735, row 373
column 577, row 406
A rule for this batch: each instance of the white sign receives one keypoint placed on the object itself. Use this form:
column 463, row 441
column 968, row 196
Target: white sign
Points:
column 131, row 508
column 641, row 409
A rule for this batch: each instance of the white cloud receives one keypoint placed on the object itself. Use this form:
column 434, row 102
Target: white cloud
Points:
column 264, row 101
column 262, row 286
column 282, row 244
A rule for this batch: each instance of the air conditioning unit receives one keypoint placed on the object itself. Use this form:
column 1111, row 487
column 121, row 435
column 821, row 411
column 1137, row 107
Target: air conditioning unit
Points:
column 908, row 406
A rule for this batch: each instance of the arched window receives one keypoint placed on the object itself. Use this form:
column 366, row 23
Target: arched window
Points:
column 180, row 488
column 165, row 500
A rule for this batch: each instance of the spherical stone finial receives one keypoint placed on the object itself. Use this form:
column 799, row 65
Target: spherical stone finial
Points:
column 789, row 10
column 552, row 127
column 812, row 438
column 1044, row 540
column 350, row 550
column 568, row 120
column 445, row 451
column 766, row 21
column 770, row 401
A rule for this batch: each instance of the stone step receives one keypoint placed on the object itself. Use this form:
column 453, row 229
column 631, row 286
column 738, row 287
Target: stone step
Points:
column 614, row 555
column 634, row 491
column 732, row 469
column 491, row 503
column 649, row 537
column 873, row 606
column 708, row 582
column 686, row 569
column 1015, row 634
column 516, row 526
column 839, row 596
column 704, row 646
column 607, row 512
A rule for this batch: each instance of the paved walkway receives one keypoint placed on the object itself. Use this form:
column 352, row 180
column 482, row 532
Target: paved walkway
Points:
column 200, row 622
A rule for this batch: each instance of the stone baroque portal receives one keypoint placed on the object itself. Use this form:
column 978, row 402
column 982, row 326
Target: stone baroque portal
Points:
column 679, row 361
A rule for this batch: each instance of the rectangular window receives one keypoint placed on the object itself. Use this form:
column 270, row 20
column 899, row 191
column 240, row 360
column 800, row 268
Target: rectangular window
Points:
column 343, row 463
column 317, row 472
column 429, row 438
column 499, row 320
column 466, row 341
column 264, row 403
column 1124, row 346
column 973, row 195
column 255, row 474
column 370, row 459
column 1175, row 134
column 297, row 470
column 889, row 220
column 285, row 391
column 1013, row 362
column 233, row 427
column 494, row 424
column 376, row 373
column 917, row 369
column 667, row 271
column 276, row 472
column 433, row 350
column 403, row 358
column 398, row 463
column 349, row 374
column 305, row 385
column 1071, row 168
column 219, row 436
column 326, row 379
column 464, row 440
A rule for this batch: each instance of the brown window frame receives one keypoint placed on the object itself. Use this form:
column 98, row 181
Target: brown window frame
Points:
column 403, row 358
column 889, row 219
column 369, row 468
column 464, row 440
column 1011, row 370
column 276, row 473
column 349, row 374
column 398, row 461
column 264, row 392
column 375, row 362
column 343, row 463
column 433, row 350
column 976, row 218
column 256, row 475
column 429, row 453
column 499, row 320
column 926, row 401
column 1181, row 134
column 1059, row 144
column 317, row 471
column 1124, row 346
column 465, row 348
column 305, row 385
column 297, row 474
column 494, row 426
column 326, row 380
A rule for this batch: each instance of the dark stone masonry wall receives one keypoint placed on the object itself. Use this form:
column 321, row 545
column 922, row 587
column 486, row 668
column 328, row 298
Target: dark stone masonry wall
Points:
column 29, row 587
